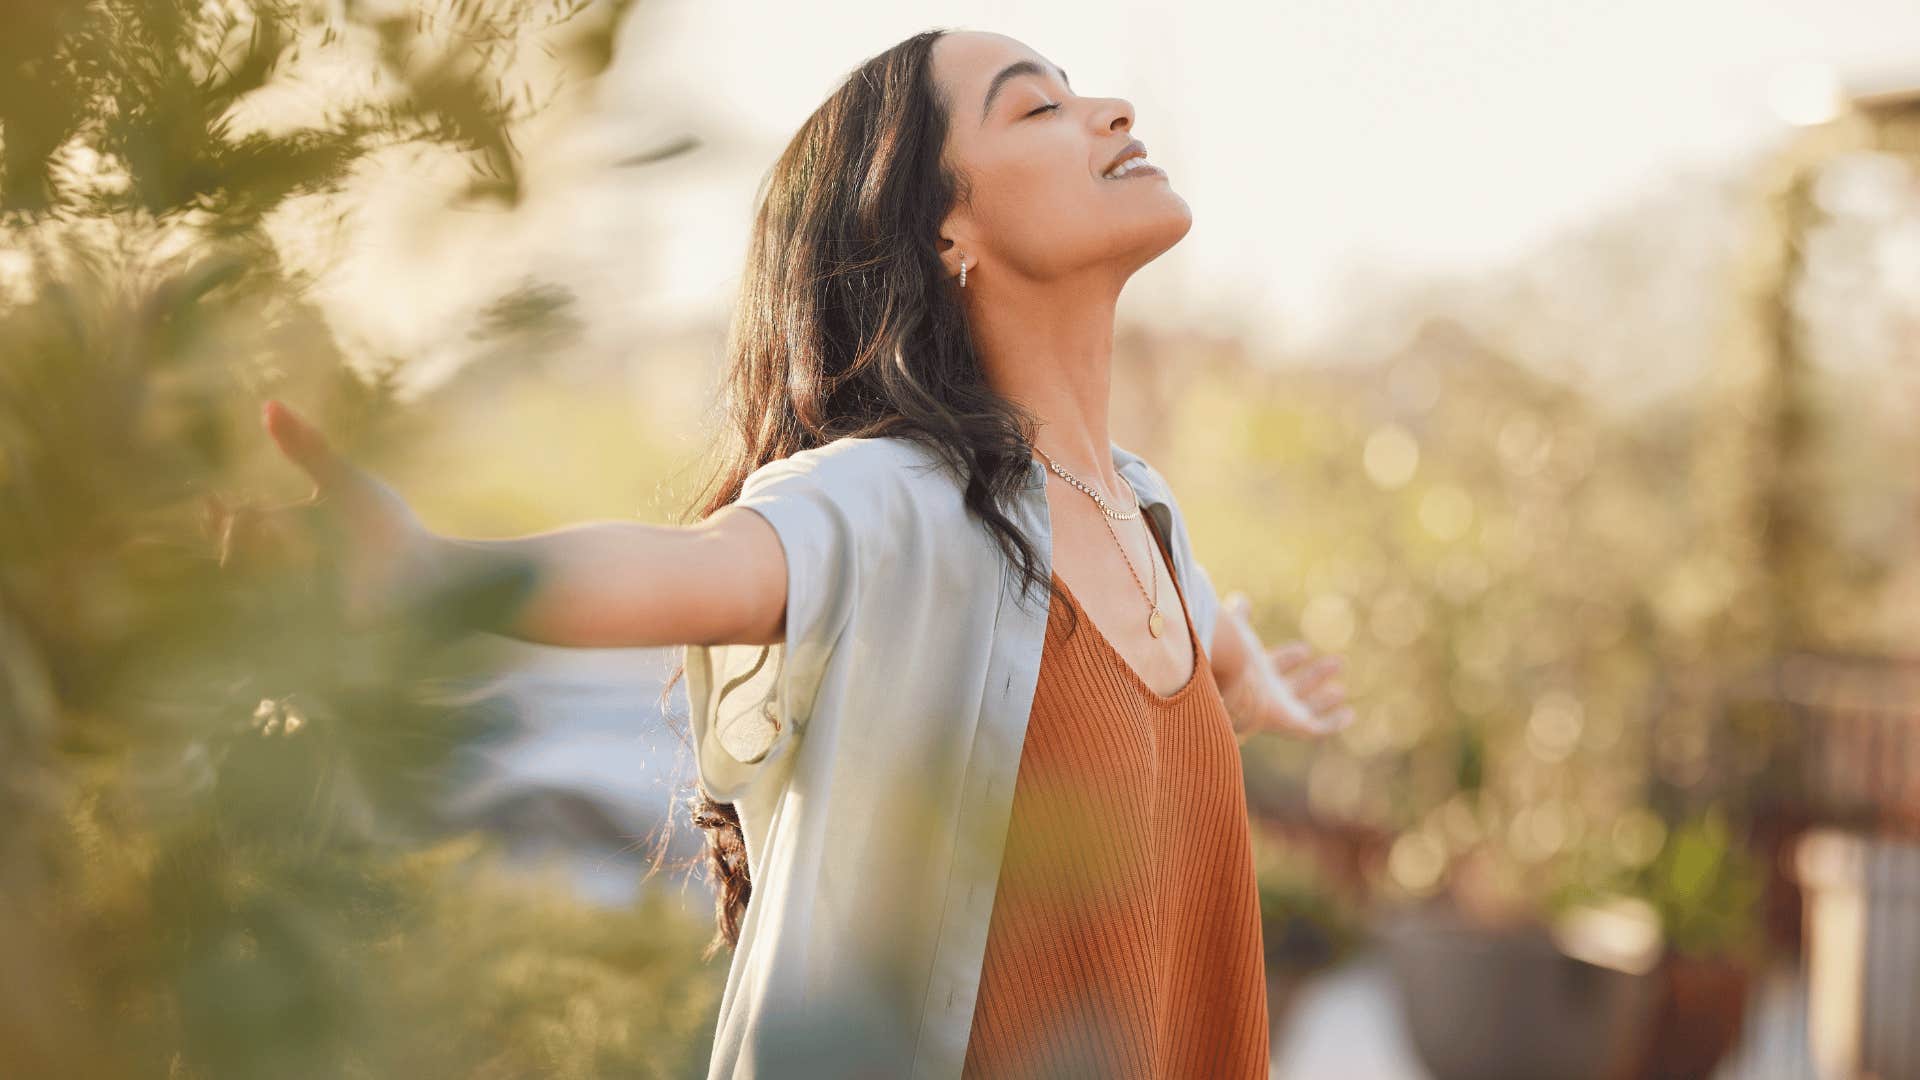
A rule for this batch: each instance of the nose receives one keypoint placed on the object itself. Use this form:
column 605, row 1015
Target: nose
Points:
column 1119, row 114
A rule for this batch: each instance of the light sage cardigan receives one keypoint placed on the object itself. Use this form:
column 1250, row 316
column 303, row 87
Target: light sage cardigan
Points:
column 872, row 756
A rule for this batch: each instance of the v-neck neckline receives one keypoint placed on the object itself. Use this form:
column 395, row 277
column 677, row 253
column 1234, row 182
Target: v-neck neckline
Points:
column 1106, row 643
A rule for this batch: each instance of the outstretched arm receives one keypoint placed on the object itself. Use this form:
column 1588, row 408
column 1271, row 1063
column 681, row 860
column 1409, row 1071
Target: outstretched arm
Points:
column 1282, row 688
column 610, row 584
column 599, row 584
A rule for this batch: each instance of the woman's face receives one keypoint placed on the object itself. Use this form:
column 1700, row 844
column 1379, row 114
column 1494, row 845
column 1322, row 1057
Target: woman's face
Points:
column 1034, row 152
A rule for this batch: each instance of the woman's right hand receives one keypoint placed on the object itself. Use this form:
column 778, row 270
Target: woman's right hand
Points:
column 374, row 542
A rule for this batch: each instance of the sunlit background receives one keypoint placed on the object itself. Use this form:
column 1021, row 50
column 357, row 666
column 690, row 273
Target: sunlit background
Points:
column 1558, row 364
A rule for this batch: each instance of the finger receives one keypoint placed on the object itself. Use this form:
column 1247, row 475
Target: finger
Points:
column 1315, row 673
column 1289, row 655
column 1289, row 711
column 1327, row 698
column 1338, row 720
column 302, row 443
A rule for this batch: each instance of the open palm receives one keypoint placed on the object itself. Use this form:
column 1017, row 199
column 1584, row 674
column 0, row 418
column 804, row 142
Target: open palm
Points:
column 1285, row 688
column 352, row 521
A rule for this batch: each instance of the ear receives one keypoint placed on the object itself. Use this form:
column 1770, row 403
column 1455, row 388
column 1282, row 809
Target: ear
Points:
column 954, row 252
column 955, row 241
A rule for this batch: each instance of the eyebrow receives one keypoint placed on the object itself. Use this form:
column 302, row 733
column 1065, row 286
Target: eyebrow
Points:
column 1014, row 71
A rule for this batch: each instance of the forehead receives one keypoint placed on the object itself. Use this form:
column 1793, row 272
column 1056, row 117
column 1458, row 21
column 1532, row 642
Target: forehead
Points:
column 965, row 62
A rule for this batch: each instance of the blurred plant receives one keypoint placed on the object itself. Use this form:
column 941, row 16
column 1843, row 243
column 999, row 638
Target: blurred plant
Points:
column 143, row 105
column 1536, row 616
column 1487, row 546
column 214, row 799
column 1307, row 924
column 1707, row 888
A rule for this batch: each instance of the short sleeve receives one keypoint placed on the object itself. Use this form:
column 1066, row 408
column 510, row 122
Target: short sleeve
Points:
column 749, row 704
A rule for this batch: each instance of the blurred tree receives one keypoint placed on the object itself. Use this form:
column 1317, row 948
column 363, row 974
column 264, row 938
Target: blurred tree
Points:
column 217, row 845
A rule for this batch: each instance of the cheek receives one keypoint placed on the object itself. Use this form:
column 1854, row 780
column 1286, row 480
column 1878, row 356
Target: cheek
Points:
column 1045, row 216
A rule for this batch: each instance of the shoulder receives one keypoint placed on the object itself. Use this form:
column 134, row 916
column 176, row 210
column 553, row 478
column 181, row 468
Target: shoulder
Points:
column 1146, row 480
column 1156, row 495
column 872, row 474
column 877, row 458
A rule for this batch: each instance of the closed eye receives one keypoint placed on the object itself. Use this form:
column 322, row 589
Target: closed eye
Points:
column 1043, row 108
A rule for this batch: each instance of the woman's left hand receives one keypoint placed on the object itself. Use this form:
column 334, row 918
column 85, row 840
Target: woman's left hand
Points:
column 1283, row 688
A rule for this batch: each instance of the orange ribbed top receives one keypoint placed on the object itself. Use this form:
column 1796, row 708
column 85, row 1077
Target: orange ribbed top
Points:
column 1125, row 936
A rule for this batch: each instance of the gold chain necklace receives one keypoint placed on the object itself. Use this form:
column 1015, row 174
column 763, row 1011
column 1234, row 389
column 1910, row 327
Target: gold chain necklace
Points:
column 1077, row 482
column 1155, row 620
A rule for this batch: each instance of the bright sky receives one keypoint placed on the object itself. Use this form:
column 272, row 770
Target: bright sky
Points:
column 1309, row 135
column 1313, row 138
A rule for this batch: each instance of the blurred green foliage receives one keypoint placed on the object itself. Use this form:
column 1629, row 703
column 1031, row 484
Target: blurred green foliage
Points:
column 1502, row 564
column 1547, row 604
column 1307, row 922
column 1702, row 882
column 218, row 851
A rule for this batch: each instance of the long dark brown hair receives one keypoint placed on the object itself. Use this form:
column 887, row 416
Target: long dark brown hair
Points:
column 847, row 325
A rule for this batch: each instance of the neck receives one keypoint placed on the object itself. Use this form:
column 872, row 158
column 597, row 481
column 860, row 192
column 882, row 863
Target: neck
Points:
column 1048, row 346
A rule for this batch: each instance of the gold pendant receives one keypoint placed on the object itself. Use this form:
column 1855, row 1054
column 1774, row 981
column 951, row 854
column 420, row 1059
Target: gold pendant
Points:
column 1154, row 622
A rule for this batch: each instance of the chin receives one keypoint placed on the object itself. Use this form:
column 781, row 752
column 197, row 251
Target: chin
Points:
column 1169, row 228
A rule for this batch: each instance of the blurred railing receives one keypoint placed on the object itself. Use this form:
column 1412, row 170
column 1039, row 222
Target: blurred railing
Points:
column 1854, row 724
column 1837, row 808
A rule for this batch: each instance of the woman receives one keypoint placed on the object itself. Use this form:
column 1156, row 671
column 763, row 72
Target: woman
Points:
column 965, row 735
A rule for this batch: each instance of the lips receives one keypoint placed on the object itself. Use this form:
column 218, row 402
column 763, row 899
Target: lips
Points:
column 1134, row 148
